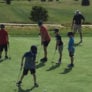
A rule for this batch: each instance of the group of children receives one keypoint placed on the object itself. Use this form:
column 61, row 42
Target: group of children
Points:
column 30, row 57
column 45, row 39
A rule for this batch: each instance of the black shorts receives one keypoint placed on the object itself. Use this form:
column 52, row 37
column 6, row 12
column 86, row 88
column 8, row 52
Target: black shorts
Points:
column 3, row 47
column 71, row 54
column 45, row 43
column 25, row 71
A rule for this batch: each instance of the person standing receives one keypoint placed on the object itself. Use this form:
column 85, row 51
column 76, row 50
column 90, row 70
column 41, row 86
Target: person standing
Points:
column 29, row 65
column 71, row 48
column 45, row 39
column 78, row 20
column 4, row 41
column 59, row 45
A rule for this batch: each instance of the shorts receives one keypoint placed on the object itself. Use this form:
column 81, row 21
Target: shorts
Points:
column 71, row 54
column 45, row 43
column 77, row 28
column 25, row 71
column 3, row 47
column 60, row 48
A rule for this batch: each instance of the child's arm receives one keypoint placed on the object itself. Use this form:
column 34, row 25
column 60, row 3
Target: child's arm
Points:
column 22, row 62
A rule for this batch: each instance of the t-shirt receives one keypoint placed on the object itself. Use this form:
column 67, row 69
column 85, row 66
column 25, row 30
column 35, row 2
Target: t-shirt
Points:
column 77, row 18
column 59, row 40
column 71, row 44
column 29, row 60
column 3, row 37
column 44, row 34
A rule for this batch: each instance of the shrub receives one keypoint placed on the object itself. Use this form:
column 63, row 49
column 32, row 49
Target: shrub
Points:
column 85, row 2
column 39, row 13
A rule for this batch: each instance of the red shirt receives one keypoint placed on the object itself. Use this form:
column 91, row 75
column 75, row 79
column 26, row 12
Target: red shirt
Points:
column 3, row 37
column 44, row 34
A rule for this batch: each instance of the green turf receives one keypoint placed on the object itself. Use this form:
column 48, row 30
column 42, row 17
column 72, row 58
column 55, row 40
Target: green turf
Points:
column 59, row 12
column 50, row 79
column 33, row 31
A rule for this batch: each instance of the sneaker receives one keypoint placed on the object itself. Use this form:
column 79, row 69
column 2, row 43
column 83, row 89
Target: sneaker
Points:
column 6, row 57
column 19, row 83
column 36, row 85
column 43, row 60
column 71, row 65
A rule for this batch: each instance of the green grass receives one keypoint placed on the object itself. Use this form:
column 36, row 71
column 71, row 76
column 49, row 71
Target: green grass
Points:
column 33, row 31
column 55, row 80
column 59, row 12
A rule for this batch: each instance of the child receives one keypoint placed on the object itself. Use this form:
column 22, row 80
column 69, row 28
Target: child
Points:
column 59, row 45
column 45, row 39
column 3, row 41
column 71, row 48
column 29, row 65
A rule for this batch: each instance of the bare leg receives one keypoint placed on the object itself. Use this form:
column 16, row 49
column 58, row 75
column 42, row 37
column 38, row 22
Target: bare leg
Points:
column 34, row 77
column 0, row 53
column 35, row 83
column 45, row 51
column 22, row 77
column 72, row 59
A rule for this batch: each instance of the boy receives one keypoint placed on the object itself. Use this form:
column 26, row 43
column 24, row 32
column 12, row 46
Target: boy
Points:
column 45, row 39
column 71, row 48
column 29, row 65
column 59, row 44
column 3, row 41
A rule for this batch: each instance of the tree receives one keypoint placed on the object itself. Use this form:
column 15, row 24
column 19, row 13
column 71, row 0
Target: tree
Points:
column 38, row 13
column 43, row 0
column 85, row 2
column 8, row 1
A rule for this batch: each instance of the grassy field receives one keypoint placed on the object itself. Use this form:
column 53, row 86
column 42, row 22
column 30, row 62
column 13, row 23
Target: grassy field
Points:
column 59, row 12
column 51, row 78
column 33, row 31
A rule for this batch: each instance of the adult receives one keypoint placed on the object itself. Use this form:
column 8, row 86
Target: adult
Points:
column 78, row 20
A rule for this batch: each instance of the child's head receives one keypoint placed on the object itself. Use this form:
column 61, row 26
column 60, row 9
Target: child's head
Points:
column 34, row 49
column 40, row 23
column 70, row 34
column 2, row 26
column 56, row 31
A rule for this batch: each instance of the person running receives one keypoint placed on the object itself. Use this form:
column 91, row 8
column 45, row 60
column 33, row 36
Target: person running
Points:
column 29, row 65
column 78, row 20
column 45, row 39
column 59, row 45
column 71, row 48
column 4, row 41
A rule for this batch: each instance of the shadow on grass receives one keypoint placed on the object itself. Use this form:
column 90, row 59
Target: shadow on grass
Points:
column 53, row 67
column 20, row 89
column 66, row 70
column 1, row 60
column 40, row 65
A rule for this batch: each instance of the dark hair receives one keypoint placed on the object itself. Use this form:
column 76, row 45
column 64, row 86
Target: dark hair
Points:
column 2, row 26
column 40, row 22
column 70, row 33
column 34, row 49
column 56, row 30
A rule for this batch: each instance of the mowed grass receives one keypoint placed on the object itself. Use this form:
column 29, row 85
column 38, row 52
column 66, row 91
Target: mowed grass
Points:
column 59, row 12
column 51, row 78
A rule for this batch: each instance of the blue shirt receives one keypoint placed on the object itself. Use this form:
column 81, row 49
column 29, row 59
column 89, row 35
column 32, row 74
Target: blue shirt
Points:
column 71, row 44
column 29, row 60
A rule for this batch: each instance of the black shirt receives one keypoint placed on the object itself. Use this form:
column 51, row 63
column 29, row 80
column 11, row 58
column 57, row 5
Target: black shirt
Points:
column 59, row 40
column 78, row 18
